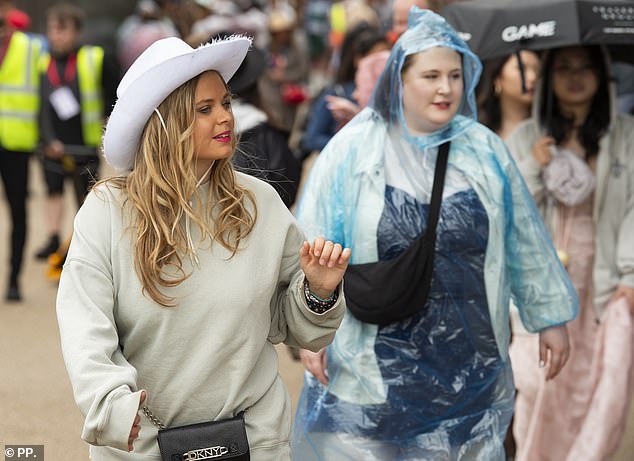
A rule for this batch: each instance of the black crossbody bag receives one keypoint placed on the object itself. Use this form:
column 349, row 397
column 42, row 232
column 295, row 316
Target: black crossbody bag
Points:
column 217, row 440
column 385, row 292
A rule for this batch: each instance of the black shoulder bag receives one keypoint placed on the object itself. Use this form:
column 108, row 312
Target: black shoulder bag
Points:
column 385, row 292
column 224, row 439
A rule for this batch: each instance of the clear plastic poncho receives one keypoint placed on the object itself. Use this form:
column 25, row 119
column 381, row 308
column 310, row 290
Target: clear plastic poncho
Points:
column 438, row 385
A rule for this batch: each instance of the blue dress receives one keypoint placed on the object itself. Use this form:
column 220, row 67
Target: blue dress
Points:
column 447, row 351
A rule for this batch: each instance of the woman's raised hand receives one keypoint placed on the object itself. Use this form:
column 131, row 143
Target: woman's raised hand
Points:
column 324, row 263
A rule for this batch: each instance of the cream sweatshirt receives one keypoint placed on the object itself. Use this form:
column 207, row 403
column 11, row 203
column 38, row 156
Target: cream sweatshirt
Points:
column 205, row 359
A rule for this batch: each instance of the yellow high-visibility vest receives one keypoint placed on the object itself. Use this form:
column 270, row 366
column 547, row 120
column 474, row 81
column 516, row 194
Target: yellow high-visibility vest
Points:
column 19, row 94
column 89, row 72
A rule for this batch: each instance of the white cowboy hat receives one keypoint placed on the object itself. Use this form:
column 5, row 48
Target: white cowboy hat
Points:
column 160, row 69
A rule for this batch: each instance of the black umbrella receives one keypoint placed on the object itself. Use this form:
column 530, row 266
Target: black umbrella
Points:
column 495, row 28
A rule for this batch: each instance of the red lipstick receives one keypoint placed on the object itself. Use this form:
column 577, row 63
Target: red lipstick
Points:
column 225, row 136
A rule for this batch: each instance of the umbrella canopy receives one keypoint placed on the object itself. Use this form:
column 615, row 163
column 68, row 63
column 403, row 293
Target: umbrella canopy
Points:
column 495, row 28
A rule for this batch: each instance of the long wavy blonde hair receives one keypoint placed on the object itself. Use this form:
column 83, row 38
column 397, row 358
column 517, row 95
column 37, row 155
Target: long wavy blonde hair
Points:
column 160, row 189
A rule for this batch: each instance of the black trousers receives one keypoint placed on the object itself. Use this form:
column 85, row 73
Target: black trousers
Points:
column 84, row 174
column 14, row 169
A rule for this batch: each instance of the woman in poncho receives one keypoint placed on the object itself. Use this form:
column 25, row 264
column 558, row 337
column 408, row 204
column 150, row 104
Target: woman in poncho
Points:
column 436, row 384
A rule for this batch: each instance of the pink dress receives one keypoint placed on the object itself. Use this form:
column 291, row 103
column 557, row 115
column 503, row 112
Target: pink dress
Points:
column 581, row 414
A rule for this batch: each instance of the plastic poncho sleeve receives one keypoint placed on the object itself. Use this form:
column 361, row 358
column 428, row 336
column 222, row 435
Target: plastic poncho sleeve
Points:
column 321, row 209
column 540, row 286
column 104, row 382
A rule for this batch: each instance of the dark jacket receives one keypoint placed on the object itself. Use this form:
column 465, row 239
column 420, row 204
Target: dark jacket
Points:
column 263, row 152
column 321, row 124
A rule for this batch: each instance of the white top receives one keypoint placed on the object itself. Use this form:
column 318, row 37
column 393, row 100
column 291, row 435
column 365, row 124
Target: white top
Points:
column 412, row 171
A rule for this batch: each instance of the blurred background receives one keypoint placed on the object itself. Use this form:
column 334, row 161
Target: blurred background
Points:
column 102, row 18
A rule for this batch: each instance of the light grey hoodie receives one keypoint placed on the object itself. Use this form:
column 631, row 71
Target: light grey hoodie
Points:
column 207, row 358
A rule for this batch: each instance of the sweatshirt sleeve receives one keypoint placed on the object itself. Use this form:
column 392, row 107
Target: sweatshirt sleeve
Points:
column 104, row 383
column 291, row 320
column 540, row 286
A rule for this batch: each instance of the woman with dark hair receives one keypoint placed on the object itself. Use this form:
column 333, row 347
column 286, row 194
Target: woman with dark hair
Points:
column 574, row 126
column 360, row 41
column 503, row 102
column 322, row 122
column 576, row 156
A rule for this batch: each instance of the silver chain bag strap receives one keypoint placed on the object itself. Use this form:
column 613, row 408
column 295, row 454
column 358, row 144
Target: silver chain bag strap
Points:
column 215, row 440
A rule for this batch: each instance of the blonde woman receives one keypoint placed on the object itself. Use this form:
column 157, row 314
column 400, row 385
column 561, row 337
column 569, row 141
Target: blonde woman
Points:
column 182, row 273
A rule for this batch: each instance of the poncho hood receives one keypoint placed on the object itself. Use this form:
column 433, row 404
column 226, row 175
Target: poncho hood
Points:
column 426, row 30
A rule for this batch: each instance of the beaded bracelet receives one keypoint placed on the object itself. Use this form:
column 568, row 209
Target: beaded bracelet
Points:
column 317, row 304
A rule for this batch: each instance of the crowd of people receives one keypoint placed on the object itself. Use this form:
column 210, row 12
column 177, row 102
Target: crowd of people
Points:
column 456, row 271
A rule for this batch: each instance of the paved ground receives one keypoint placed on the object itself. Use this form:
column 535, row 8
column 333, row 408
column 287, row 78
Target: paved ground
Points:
column 36, row 404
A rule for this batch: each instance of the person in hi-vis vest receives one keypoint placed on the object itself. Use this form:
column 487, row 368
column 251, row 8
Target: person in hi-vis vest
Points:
column 19, row 104
column 77, row 89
